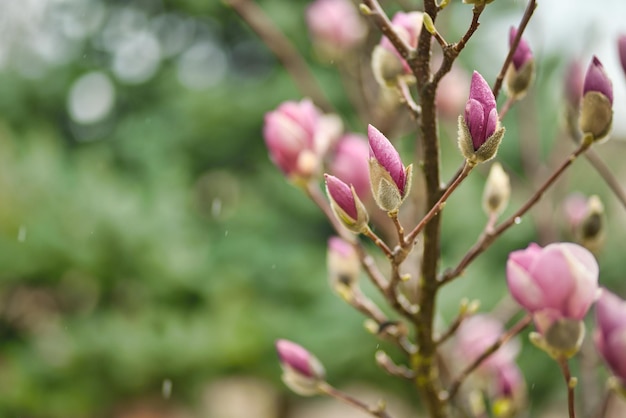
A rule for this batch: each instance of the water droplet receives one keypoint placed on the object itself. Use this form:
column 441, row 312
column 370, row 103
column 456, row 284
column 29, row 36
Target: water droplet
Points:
column 517, row 220
column 166, row 388
column 21, row 234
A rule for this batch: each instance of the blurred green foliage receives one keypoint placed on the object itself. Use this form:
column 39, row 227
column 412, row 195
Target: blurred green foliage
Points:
column 161, row 243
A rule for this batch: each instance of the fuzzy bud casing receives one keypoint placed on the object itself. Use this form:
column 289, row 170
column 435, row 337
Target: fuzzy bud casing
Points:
column 596, row 109
column 343, row 266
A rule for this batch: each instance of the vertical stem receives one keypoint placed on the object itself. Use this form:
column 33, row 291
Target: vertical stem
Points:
column 424, row 362
column 571, row 383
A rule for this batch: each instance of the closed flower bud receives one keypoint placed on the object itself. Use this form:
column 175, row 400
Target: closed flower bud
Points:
column 387, row 64
column 508, row 391
column 344, row 267
column 389, row 179
column 596, row 110
column 497, row 191
column 480, row 133
column 591, row 231
column 298, row 136
column 302, row 371
column 610, row 334
column 350, row 163
column 557, row 284
column 521, row 71
column 335, row 26
column 621, row 49
column 346, row 204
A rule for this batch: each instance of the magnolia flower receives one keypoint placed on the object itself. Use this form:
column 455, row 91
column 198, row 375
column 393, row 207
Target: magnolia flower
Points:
column 302, row 371
column 610, row 336
column 350, row 163
column 346, row 204
column 520, row 73
column 557, row 284
column 298, row 136
column 390, row 180
column 335, row 26
column 479, row 131
column 596, row 112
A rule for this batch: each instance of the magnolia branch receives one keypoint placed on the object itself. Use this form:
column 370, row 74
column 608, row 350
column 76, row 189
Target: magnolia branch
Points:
column 284, row 50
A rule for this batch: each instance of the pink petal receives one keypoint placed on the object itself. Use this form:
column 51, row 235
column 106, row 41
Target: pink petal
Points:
column 525, row 258
column 614, row 353
column 522, row 287
column 552, row 272
column 610, row 312
column 295, row 357
column 596, row 79
column 585, row 271
column 492, row 123
column 342, row 195
column 475, row 120
column 387, row 156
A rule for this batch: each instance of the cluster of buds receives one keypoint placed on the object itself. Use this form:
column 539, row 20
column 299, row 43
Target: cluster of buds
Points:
column 610, row 335
column 521, row 72
column 480, row 132
column 596, row 107
column 335, row 27
column 498, row 375
column 387, row 64
column 557, row 284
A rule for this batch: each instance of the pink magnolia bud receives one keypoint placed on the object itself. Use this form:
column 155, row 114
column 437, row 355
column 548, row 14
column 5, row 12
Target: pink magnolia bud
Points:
column 508, row 391
column 521, row 72
column 476, row 334
column 559, row 281
column 346, row 204
column 522, row 54
column 387, row 64
column 610, row 335
column 621, row 48
column 350, row 163
column 298, row 135
column 596, row 111
column 390, row 180
column 335, row 25
column 302, row 371
column 479, row 132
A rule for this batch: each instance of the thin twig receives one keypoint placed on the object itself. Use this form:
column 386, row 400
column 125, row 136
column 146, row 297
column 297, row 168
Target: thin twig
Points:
column 284, row 50
column 438, row 206
column 516, row 329
column 464, row 313
column 379, row 242
column 407, row 99
column 506, row 107
column 399, row 228
column 488, row 237
column 375, row 12
column 530, row 9
column 606, row 174
column 377, row 411
column 571, row 384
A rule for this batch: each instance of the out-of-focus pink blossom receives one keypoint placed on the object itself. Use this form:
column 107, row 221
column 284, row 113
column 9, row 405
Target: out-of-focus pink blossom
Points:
column 408, row 27
column 451, row 96
column 298, row 135
column 621, row 49
column 476, row 334
column 523, row 53
column 574, row 79
column 350, row 163
column 610, row 335
column 335, row 25
column 555, row 282
column 302, row 371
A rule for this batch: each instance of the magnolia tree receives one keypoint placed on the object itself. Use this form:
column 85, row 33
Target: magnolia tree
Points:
column 367, row 185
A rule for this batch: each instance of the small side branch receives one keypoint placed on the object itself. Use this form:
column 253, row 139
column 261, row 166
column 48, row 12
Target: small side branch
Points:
column 282, row 48
column 375, row 411
column 571, row 384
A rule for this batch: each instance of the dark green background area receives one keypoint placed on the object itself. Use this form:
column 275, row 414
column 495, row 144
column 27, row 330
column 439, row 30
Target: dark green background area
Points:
column 170, row 248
